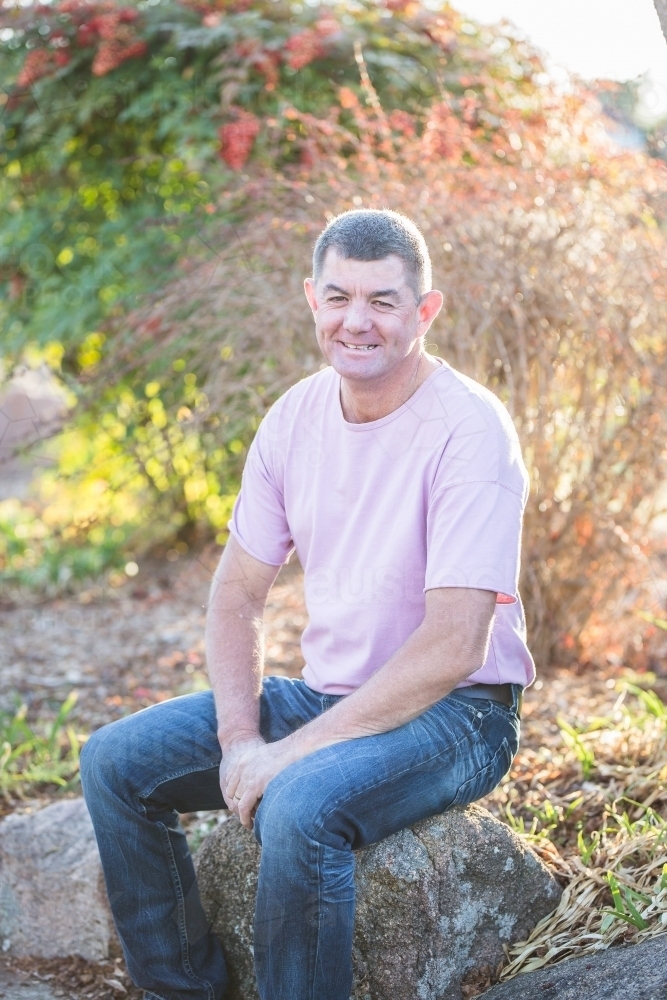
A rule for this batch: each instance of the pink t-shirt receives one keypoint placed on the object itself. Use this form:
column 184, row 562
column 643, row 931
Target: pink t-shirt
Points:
column 431, row 495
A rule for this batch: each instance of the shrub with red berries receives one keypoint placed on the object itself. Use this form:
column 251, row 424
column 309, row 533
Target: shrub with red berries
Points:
column 303, row 48
column 40, row 63
column 77, row 25
column 238, row 137
column 310, row 44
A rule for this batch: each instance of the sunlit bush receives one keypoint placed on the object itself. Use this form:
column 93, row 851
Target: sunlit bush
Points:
column 130, row 473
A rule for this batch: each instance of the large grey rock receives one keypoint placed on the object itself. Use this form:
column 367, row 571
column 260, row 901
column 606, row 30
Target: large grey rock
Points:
column 638, row 972
column 52, row 897
column 433, row 902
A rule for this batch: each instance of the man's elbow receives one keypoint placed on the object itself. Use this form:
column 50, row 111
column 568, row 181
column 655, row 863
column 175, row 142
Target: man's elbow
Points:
column 465, row 651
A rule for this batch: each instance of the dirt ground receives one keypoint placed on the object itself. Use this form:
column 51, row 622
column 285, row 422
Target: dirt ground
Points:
column 143, row 643
column 132, row 646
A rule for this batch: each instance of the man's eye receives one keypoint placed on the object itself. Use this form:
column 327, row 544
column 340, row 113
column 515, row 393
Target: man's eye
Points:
column 337, row 298
column 378, row 302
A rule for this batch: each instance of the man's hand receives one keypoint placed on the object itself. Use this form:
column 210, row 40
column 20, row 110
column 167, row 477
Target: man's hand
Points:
column 246, row 771
column 230, row 755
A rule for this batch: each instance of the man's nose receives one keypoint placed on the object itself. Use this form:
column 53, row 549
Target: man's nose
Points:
column 358, row 318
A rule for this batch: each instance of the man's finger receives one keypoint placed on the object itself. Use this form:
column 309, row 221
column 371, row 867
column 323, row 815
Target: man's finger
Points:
column 230, row 802
column 233, row 794
column 237, row 798
column 224, row 787
column 246, row 807
column 233, row 779
column 230, row 790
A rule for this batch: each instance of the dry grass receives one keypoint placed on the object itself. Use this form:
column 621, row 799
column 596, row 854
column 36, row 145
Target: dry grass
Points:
column 593, row 809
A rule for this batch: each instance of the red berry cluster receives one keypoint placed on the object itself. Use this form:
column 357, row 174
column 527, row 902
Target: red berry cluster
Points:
column 267, row 63
column 113, row 31
column 114, row 51
column 308, row 156
column 103, row 24
column 403, row 122
column 210, row 7
column 237, row 138
column 39, row 63
column 445, row 136
column 303, row 48
column 308, row 45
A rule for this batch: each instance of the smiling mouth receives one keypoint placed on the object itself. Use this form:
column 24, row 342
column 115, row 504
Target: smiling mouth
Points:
column 359, row 347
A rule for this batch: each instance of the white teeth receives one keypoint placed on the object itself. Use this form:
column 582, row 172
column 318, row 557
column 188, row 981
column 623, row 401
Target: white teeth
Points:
column 360, row 347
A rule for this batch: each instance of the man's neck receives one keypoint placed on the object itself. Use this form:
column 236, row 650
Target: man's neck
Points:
column 363, row 402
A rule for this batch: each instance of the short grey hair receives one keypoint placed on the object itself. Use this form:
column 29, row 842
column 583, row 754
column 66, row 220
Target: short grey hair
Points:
column 373, row 234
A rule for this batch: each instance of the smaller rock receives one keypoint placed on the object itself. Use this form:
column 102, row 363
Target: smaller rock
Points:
column 638, row 972
column 52, row 897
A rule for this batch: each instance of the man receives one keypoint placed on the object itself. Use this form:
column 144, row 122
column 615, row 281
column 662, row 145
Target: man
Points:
column 400, row 484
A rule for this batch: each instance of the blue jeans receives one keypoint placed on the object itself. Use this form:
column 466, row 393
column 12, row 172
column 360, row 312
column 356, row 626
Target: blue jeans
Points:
column 140, row 772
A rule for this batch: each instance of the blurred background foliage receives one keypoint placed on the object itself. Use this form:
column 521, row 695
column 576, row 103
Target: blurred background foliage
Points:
column 165, row 169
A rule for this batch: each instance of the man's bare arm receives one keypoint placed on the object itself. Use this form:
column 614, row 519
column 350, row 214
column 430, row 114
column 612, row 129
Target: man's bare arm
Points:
column 234, row 642
column 449, row 645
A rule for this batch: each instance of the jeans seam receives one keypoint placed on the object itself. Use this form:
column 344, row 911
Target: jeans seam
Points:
column 504, row 745
column 182, row 928
column 320, row 873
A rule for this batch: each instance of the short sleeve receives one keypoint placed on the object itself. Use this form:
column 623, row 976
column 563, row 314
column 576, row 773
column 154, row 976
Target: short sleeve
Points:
column 474, row 539
column 259, row 522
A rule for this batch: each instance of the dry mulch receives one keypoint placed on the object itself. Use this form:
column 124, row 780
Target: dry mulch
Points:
column 143, row 642
column 76, row 979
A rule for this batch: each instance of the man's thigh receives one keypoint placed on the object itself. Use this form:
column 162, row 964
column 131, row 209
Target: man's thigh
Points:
column 174, row 747
column 285, row 705
column 358, row 792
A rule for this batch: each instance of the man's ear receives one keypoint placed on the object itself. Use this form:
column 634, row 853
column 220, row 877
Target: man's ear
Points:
column 429, row 307
column 309, row 289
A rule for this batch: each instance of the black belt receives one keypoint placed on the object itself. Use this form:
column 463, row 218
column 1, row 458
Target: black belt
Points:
column 496, row 692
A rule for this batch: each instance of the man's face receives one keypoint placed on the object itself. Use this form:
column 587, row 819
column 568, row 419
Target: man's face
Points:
column 366, row 318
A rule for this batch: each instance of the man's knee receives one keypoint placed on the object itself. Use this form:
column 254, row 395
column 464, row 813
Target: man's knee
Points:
column 294, row 810
column 118, row 754
column 101, row 758
column 135, row 754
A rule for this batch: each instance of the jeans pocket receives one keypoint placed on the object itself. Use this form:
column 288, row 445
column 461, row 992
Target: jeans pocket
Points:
column 476, row 708
column 486, row 779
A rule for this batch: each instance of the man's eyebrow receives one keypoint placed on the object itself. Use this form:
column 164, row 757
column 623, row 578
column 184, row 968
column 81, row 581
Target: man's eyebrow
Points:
column 382, row 293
